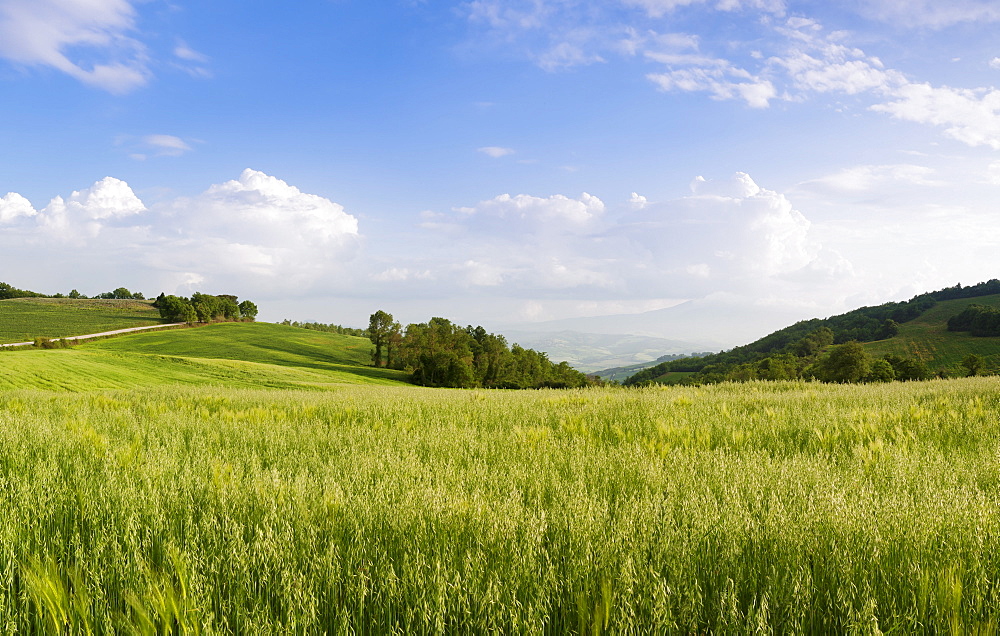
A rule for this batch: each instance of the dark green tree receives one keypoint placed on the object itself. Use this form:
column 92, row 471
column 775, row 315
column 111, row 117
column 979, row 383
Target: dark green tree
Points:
column 177, row 309
column 379, row 327
column 248, row 310
column 974, row 364
column 848, row 362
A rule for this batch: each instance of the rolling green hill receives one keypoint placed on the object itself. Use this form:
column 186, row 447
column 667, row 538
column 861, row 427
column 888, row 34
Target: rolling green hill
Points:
column 23, row 319
column 915, row 329
column 227, row 355
column 927, row 338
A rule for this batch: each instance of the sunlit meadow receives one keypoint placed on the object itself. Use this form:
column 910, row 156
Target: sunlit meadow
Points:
column 795, row 507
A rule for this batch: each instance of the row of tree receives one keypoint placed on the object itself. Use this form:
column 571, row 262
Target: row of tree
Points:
column 9, row 291
column 441, row 353
column 204, row 308
column 331, row 328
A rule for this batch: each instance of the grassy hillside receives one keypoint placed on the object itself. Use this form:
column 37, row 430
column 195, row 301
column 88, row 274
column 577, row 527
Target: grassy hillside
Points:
column 226, row 355
column 927, row 338
column 23, row 319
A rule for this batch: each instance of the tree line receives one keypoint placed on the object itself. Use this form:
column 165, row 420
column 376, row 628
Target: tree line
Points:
column 443, row 354
column 204, row 308
column 9, row 291
column 331, row 328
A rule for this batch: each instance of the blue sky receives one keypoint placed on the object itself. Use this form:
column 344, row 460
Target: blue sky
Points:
column 501, row 162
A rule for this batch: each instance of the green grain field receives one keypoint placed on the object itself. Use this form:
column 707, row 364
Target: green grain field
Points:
column 753, row 508
column 24, row 319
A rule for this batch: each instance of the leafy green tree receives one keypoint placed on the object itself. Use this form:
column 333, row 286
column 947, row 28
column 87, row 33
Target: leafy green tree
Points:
column 890, row 328
column 848, row 362
column 880, row 371
column 248, row 310
column 379, row 327
column 393, row 341
column 177, row 309
column 974, row 364
column 908, row 368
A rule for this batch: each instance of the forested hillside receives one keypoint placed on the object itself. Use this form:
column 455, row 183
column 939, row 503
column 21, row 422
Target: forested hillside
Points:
column 793, row 351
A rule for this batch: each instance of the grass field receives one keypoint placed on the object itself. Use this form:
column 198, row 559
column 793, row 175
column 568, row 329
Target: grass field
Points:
column 927, row 338
column 782, row 507
column 234, row 355
column 23, row 319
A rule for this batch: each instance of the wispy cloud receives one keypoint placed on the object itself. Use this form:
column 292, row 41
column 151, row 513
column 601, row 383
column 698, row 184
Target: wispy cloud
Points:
column 190, row 61
column 166, row 145
column 495, row 151
column 51, row 32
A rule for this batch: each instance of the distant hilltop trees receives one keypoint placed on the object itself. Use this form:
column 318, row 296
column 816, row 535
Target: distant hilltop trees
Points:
column 204, row 308
column 9, row 291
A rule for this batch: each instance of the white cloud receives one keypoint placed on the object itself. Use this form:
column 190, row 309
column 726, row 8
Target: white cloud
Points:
column 969, row 116
column 190, row 61
column 14, row 206
column 931, row 13
column 262, row 210
column 533, row 210
column 48, row 32
column 868, row 177
column 567, row 55
column 185, row 52
column 637, row 201
column 995, row 63
column 658, row 8
column 85, row 213
column 166, row 145
column 495, row 151
column 256, row 232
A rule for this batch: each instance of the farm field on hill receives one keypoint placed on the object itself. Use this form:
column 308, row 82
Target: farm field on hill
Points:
column 23, row 319
column 793, row 507
column 927, row 338
column 234, row 355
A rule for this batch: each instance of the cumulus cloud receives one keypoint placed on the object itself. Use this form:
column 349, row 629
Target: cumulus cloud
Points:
column 255, row 231
column 85, row 213
column 538, row 210
column 727, row 235
column 50, row 32
column 14, row 206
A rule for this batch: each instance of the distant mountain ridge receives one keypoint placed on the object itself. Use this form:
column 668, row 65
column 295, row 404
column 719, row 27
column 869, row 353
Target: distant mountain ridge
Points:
column 590, row 352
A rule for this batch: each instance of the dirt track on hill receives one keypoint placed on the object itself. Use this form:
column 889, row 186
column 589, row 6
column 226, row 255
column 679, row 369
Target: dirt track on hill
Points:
column 98, row 335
